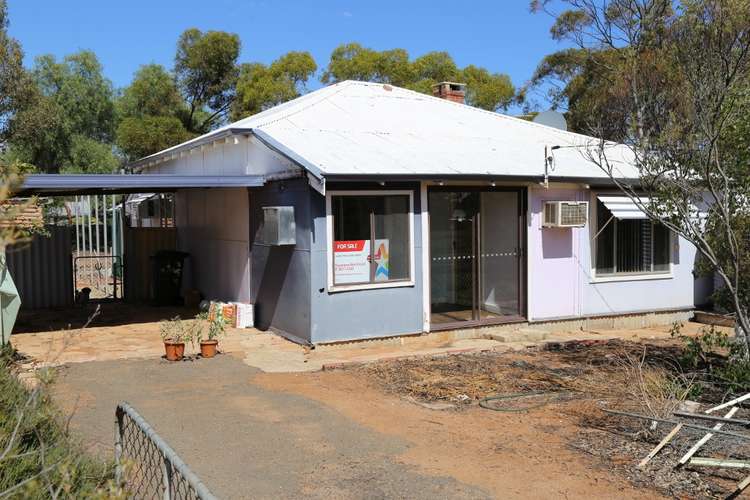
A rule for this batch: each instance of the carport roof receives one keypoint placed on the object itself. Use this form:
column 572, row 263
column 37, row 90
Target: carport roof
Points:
column 64, row 184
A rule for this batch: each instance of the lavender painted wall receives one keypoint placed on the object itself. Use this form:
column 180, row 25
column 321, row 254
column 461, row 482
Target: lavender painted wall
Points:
column 560, row 274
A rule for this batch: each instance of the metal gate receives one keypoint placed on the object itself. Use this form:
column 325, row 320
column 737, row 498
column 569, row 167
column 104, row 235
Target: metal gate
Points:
column 101, row 274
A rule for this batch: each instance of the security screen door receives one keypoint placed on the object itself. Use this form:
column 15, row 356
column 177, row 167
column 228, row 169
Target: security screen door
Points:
column 475, row 256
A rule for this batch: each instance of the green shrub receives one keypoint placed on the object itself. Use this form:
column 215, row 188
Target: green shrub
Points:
column 718, row 354
column 38, row 458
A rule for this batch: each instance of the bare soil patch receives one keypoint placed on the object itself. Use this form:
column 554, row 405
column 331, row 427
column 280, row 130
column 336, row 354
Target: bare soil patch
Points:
column 573, row 381
column 561, row 444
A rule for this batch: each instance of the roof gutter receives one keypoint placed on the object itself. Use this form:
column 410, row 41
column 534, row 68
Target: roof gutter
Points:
column 594, row 182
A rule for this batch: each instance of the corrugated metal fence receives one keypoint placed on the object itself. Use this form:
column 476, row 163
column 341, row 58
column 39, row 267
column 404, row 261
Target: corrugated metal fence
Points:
column 42, row 269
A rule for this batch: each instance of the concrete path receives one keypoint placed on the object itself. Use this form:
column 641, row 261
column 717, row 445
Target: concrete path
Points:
column 272, row 353
column 245, row 441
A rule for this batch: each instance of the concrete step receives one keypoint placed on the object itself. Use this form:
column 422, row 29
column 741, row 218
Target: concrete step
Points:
column 520, row 335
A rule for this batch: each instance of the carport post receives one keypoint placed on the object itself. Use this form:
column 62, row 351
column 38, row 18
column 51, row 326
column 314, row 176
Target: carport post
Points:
column 104, row 221
column 91, row 242
column 78, row 233
column 96, row 212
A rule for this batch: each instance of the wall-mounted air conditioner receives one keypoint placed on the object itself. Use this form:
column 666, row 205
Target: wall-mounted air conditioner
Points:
column 565, row 213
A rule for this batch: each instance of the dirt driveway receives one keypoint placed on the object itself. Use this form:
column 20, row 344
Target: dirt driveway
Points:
column 329, row 435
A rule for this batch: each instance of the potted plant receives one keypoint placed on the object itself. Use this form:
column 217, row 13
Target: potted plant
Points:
column 216, row 326
column 171, row 331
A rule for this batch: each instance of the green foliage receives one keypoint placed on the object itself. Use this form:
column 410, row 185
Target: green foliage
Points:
column 213, row 325
column 153, row 92
column 178, row 330
column 71, row 106
column 260, row 87
column 80, row 89
column 593, row 80
column 160, row 109
column 139, row 137
column 37, row 455
column 722, row 357
column 15, row 83
column 152, row 113
column 90, row 156
column 352, row 61
column 436, row 67
column 486, row 90
column 206, row 70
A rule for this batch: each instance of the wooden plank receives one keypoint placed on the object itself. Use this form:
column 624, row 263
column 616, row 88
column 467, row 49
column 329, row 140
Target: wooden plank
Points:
column 719, row 462
column 737, row 435
column 705, row 439
column 661, row 445
column 740, row 487
column 733, row 402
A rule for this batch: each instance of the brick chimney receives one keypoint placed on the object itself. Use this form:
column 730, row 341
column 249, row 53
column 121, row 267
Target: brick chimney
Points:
column 450, row 90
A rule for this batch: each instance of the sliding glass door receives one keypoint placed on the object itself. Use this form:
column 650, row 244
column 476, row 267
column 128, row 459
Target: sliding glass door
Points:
column 475, row 255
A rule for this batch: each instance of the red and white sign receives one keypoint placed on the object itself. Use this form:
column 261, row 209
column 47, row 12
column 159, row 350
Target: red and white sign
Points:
column 351, row 261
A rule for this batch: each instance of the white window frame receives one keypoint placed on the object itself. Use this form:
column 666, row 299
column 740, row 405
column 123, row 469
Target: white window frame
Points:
column 332, row 287
column 636, row 276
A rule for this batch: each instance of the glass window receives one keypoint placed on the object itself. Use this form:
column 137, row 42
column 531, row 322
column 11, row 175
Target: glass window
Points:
column 630, row 246
column 371, row 238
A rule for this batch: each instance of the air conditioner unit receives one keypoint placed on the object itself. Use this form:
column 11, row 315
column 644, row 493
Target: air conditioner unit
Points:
column 565, row 213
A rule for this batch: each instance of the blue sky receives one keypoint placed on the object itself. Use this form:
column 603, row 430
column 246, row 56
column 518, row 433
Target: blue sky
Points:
column 501, row 35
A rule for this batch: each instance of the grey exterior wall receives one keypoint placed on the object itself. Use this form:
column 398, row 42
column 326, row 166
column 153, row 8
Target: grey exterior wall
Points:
column 43, row 269
column 280, row 275
column 361, row 314
column 213, row 226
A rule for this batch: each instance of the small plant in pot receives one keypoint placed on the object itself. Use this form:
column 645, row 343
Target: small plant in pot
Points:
column 216, row 326
column 174, row 335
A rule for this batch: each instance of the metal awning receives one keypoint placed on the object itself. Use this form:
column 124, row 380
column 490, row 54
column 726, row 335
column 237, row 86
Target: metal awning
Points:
column 66, row 184
column 623, row 207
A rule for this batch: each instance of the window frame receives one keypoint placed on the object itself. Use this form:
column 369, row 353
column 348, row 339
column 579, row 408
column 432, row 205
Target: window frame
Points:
column 597, row 277
column 332, row 286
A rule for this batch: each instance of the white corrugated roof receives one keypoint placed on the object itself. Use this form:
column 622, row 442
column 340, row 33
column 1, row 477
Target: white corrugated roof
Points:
column 360, row 128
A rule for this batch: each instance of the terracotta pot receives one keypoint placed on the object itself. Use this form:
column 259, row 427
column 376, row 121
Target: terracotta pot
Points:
column 175, row 350
column 208, row 348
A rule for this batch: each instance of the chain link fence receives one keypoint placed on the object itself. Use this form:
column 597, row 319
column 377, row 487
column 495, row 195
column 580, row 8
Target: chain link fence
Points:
column 146, row 466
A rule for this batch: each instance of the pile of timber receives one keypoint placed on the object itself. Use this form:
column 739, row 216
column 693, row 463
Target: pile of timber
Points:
column 687, row 421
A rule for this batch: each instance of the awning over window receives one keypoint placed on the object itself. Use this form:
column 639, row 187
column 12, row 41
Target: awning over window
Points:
column 623, row 207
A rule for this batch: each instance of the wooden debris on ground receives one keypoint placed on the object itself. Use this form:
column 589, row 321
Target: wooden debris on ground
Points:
column 689, row 457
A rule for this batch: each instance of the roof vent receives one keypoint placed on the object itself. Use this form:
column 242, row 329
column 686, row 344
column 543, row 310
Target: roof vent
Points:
column 451, row 91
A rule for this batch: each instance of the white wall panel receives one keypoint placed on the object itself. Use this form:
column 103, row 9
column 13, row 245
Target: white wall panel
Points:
column 213, row 227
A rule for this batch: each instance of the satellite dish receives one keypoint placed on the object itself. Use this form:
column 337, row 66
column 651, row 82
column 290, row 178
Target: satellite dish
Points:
column 551, row 119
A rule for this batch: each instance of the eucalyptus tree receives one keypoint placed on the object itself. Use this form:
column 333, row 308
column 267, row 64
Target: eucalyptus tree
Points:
column 484, row 89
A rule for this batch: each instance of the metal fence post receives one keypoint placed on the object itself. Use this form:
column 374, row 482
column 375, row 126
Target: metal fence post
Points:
column 118, row 446
column 166, row 470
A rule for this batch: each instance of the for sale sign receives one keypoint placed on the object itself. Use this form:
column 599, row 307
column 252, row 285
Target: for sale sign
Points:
column 351, row 261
